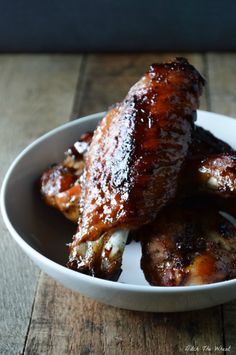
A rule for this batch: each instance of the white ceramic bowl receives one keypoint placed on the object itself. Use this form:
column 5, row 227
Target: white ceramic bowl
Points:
column 42, row 232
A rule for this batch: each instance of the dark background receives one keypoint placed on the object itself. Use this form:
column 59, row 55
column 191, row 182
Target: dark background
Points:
column 117, row 25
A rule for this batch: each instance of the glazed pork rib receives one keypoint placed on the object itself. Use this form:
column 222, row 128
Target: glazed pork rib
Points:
column 133, row 162
column 60, row 184
column 60, row 187
column 218, row 174
column 190, row 244
column 204, row 143
column 210, row 167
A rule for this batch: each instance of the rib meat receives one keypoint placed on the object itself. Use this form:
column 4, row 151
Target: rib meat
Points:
column 60, row 184
column 204, row 143
column 210, row 167
column 217, row 174
column 136, row 154
column 194, row 243
column 190, row 244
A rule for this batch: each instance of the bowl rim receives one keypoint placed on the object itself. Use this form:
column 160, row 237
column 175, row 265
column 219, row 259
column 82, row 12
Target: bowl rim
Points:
column 34, row 254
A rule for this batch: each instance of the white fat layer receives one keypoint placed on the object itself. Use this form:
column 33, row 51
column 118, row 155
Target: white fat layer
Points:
column 117, row 241
column 212, row 182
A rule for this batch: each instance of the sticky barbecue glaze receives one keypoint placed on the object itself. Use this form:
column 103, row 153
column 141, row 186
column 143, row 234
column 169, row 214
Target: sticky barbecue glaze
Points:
column 137, row 151
column 218, row 174
column 60, row 185
column 210, row 167
column 192, row 243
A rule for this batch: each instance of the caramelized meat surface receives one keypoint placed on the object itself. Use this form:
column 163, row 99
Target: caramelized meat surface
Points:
column 204, row 143
column 138, row 150
column 218, row 173
column 190, row 245
column 61, row 189
column 60, row 184
column 210, row 167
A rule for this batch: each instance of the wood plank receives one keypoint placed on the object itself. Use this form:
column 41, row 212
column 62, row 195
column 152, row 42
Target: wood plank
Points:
column 222, row 83
column 36, row 94
column 106, row 79
column 64, row 322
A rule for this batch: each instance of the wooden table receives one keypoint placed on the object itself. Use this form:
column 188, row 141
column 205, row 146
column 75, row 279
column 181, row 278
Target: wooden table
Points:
column 39, row 316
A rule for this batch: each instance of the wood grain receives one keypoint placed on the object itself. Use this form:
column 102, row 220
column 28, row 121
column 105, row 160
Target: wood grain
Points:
column 36, row 94
column 64, row 322
column 106, row 78
column 222, row 84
